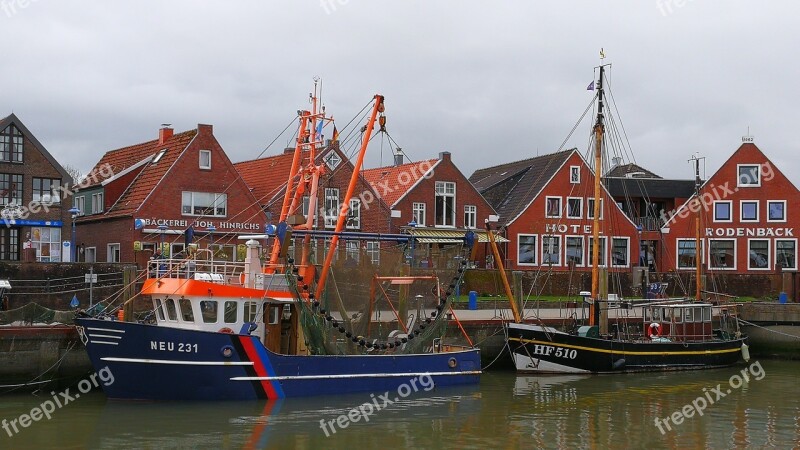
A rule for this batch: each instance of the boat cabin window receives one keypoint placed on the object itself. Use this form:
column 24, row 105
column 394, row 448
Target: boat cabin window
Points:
column 677, row 313
column 230, row 312
column 209, row 310
column 186, row 310
column 707, row 314
column 275, row 312
column 172, row 312
column 159, row 309
column 250, row 311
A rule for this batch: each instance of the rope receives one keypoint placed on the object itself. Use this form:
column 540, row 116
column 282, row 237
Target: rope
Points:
column 767, row 329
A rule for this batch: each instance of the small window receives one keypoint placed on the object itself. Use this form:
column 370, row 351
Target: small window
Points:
column 722, row 211
column 158, row 156
column 275, row 312
column 749, row 175
column 332, row 160
column 749, row 210
column 551, row 250
column 590, row 208
column 678, row 315
column 208, row 308
column 470, row 216
column 186, row 310
column 250, row 311
column 526, row 249
column 230, row 312
column 172, row 312
column 619, row 252
column 552, row 207
column 574, row 208
column 418, row 213
column 575, row 251
column 722, row 253
column 706, row 314
column 687, row 253
column 574, row 174
column 205, row 159
column 776, row 211
column 786, row 253
column 159, row 309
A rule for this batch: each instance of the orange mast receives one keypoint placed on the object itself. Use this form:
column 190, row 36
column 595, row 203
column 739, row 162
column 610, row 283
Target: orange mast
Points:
column 345, row 207
column 698, row 254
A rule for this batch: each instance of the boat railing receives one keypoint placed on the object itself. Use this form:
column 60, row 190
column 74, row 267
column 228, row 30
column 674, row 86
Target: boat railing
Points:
column 218, row 271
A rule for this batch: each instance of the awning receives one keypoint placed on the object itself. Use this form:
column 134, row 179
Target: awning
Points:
column 449, row 236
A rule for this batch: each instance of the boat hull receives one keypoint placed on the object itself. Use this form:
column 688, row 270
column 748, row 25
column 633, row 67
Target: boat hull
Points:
column 540, row 349
column 149, row 362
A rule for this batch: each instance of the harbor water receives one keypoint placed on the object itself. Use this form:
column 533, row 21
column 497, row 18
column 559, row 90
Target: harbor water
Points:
column 751, row 405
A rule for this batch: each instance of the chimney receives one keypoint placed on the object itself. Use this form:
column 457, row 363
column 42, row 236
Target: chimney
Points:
column 444, row 156
column 288, row 150
column 398, row 157
column 164, row 133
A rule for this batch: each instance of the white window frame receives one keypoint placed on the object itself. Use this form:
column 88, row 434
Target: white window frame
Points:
column 603, row 251
column 590, row 209
column 97, row 203
column 93, row 251
column 418, row 210
column 769, row 254
column 583, row 250
column 331, row 207
column 446, row 190
column 80, row 204
column 374, row 251
column 711, row 260
column 352, row 249
column 110, row 254
column 795, row 252
column 741, row 210
column 332, row 160
column 205, row 166
column 306, row 209
column 575, row 174
column 558, row 237
column 739, row 176
column 701, row 252
column 730, row 211
column 547, row 199
column 214, row 204
column 627, row 239
column 354, row 215
column 580, row 208
column 785, row 212
column 470, row 216
column 535, row 250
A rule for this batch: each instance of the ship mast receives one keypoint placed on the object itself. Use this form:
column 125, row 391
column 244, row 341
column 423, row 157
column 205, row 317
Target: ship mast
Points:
column 599, row 129
column 698, row 254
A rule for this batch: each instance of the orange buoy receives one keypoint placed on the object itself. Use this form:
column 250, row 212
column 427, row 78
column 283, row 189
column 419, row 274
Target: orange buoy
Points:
column 121, row 315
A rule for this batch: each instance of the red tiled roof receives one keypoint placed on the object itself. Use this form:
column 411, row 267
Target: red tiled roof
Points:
column 267, row 176
column 390, row 176
column 151, row 174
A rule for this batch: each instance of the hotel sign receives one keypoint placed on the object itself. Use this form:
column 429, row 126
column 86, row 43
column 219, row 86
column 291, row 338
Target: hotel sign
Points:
column 750, row 232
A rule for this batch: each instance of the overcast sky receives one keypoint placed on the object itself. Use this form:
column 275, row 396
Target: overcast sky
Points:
column 491, row 82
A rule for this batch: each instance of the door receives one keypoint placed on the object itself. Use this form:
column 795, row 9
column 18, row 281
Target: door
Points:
column 272, row 320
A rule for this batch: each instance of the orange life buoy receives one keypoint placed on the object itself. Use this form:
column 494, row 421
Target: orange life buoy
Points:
column 654, row 330
column 226, row 330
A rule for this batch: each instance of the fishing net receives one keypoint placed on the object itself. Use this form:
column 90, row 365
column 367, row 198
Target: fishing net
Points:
column 33, row 313
column 381, row 298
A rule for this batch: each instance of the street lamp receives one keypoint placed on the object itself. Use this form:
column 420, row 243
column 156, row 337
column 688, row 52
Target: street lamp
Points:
column 74, row 213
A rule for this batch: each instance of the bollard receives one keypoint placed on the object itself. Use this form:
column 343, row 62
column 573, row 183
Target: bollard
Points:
column 473, row 300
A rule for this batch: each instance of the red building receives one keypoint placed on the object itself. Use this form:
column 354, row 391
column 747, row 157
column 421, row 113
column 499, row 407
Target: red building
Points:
column 431, row 199
column 746, row 221
column 34, row 203
column 546, row 207
column 153, row 192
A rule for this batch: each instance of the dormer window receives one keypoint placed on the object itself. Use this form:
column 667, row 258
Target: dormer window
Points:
column 159, row 156
column 205, row 159
column 11, row 145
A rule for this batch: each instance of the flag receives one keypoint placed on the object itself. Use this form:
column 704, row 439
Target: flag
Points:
column 591, row 86
column 319, row 129
column 602, row 53
column 335, row 133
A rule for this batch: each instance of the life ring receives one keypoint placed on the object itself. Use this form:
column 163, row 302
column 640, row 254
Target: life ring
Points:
column 226, row 330
column 654, row 330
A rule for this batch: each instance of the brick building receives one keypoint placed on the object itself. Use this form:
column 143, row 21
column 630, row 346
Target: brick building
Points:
column 747, row 224
column 267, row 178
column 546, row 207
column 32, row 197
column 432, row 200
column 156, row 191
